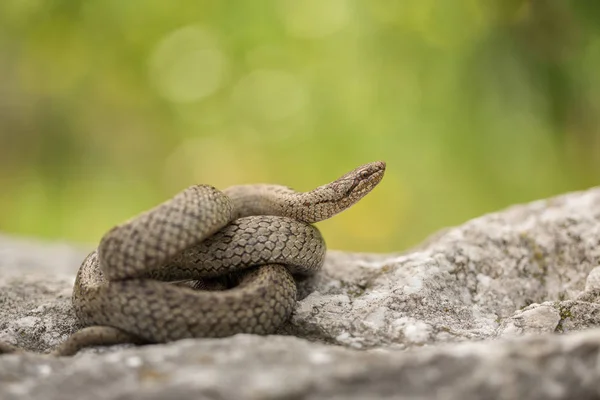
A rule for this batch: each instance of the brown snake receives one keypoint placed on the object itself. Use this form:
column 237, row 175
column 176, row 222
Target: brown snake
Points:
column 241, row 248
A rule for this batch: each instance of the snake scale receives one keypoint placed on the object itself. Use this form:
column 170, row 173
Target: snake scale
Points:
column 207, row 263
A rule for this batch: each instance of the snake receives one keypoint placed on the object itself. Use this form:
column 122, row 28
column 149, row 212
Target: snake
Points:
column 207, row 263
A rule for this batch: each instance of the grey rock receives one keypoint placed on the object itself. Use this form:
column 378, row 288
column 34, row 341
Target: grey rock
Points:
column 503, row 307
column 250, row 367
column 593, row 280
column 462, row 285
column 537, row 318
column 36, row 282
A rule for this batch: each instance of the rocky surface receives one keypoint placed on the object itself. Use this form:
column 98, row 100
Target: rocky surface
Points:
column 500, row 307
column 247, row 367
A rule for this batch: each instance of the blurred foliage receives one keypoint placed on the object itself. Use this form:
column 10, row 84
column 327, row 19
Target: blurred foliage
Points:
column 109, row 107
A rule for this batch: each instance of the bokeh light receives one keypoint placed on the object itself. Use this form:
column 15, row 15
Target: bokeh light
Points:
column 108, row 108
column 187, row 65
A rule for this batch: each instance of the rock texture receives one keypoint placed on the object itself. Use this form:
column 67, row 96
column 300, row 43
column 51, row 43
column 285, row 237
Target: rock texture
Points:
column 246, row 367
column 504, row 306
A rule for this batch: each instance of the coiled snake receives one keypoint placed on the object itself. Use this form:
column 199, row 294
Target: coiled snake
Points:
column 240, row 248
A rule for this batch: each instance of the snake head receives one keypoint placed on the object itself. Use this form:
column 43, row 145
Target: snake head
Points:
column 332, row 198
column 362, row 180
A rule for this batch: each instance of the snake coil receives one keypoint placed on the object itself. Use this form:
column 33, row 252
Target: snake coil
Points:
column 240, row 248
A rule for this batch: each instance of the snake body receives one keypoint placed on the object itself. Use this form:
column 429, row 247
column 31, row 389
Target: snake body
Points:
column 241, row 248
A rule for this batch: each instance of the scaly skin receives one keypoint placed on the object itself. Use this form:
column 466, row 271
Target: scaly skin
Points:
column 250, row 238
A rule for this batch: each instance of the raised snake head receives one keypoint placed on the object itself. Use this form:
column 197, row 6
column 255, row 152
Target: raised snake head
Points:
column 334, row 197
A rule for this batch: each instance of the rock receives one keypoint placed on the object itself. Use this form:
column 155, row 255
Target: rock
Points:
column 537, row 318
column 500, row 307
column 36, row 282
column 593, row 280
column 251, row 367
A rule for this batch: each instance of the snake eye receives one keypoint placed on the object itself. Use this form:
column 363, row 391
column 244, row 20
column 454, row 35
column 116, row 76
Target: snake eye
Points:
column 364, row 174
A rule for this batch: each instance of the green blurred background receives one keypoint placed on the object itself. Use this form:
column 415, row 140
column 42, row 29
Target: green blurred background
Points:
column 109, row 107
